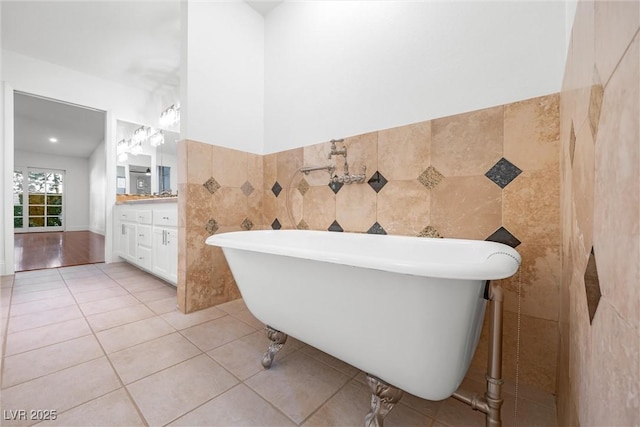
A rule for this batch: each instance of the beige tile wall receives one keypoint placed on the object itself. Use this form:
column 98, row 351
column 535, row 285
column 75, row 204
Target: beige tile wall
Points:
column 599, row 359
column 435, row 186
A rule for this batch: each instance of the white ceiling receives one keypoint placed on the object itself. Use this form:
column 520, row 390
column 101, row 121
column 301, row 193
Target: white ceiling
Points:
column 135, row 43
column 78, row 130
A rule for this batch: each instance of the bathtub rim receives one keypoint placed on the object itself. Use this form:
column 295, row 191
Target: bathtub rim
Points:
column 502, row 261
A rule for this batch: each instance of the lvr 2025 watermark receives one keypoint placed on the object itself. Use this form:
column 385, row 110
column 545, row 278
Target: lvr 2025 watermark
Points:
column 29, row 415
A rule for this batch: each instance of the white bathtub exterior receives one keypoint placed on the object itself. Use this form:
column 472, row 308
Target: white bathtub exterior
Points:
column 407, row 310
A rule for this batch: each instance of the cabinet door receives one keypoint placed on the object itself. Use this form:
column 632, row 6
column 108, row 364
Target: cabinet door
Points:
column 165, row 253
column 144, row 257
column 131, row 241
column 126, row 241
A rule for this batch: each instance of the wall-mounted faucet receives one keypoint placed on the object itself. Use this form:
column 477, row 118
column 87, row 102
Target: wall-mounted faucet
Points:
column 345, row 178
column 335, row 152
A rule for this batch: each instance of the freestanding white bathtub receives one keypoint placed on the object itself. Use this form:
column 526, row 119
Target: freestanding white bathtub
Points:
column 406, row 310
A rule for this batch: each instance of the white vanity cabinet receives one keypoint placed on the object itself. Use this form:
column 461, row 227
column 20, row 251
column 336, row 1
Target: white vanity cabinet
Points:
column 146, row 235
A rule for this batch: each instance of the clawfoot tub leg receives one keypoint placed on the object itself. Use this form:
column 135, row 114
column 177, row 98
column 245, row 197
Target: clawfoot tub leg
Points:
column 277, row 342
column 383, row 399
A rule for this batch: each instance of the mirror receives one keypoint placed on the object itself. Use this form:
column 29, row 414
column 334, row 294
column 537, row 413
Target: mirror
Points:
column 153, row 170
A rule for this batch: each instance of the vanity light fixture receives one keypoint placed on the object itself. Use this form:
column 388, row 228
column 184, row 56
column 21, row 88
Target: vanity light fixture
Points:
column 148, row 172
column 53, row 140
column 135, row 148
column 156, row 139
column 170, row 117
column 122, row 148
column 140, row 134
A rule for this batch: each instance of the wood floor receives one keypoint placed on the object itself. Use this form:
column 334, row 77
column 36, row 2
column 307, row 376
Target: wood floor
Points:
column 34, row 251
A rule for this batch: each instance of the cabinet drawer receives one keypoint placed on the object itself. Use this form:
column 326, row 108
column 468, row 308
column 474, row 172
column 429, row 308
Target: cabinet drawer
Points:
column 143, row 217
column 168, row 218
column 144, row 235
column 127, row 215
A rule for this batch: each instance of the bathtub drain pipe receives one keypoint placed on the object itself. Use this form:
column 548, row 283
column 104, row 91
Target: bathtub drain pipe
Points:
column 491, row 403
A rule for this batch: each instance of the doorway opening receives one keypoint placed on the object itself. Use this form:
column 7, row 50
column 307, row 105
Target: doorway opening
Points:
column 59, row 183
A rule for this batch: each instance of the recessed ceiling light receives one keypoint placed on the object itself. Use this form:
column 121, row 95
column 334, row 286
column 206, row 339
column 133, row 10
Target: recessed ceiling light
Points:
column 53, row 140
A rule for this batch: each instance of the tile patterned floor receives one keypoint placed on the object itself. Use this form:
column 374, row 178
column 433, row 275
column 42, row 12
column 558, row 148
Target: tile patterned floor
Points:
column 105, row 345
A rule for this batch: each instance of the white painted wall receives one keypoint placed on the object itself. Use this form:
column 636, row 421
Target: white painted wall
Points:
column 42, row 78
column 98, row 190
column 76, row 184
column 223, row 75
column 340, row 68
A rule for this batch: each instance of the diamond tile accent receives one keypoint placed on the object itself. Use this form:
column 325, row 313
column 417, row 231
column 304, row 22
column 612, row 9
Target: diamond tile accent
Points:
column 212, row 226
column 376, row 229
column 303, row 186
column 503, row 172
column 430, row 177
column 276, row 224
column 335, row 227
column 502, row 235
column 211, row 185
column 247, row 188
column 377, row 181
column 592, row 285
column 595, row 104
column 429, row 231
column 302, row 225
column 276, row 188
column 335, row 186
column 246, row 224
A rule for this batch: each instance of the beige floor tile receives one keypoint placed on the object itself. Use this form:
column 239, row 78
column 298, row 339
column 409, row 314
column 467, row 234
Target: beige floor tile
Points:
column 248, row 318
column 351, row 404
column 337, row 364
column 81, row 274
column 243, row 356
column 41, row 305
column 91, row 286
column 113, row 409
column 240, row 407
column 39, row 295
column 122, row 316
column 298, row 386
column 108, row 304
column 43, row 275
column 62, row 390
column 142, row 285
column 100, row 294
column 126, row 274
column 455, row 413
column 128, row 335
column 425, row 407
column 182, row 321
column 155, row 294
column 169, row 394
column 31, row 339
column 26, row 282
column 43, row 318
column 152, row 356
column 234, row 306
column 38, row 286
column 215, row 333
column 46, row 360
column 164, row 305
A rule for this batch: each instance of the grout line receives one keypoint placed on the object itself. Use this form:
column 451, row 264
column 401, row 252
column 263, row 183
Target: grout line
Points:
column 615, row 68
